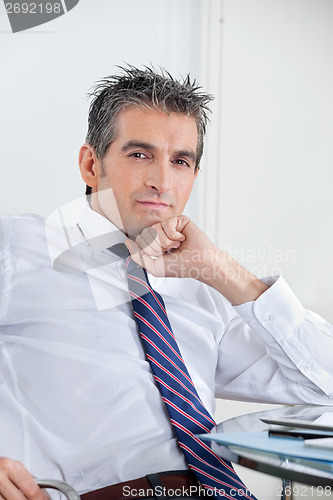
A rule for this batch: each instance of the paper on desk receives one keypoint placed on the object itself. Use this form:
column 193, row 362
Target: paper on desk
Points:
column 325, row 419
column 260, row 441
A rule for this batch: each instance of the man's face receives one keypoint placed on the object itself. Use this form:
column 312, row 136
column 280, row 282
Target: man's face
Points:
column 150, row 168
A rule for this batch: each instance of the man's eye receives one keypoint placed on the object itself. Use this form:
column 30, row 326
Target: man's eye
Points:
column 180, row 161
column 138, row 155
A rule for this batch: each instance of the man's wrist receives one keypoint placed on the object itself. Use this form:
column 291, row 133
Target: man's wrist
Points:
column 231, row 279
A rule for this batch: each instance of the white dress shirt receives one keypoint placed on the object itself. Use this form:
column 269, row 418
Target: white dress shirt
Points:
column 77, row 398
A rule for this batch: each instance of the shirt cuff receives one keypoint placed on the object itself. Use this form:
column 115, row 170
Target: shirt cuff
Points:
column 276, row 312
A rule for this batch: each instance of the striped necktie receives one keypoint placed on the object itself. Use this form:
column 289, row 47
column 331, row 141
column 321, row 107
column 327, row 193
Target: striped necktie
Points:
column 186, row 411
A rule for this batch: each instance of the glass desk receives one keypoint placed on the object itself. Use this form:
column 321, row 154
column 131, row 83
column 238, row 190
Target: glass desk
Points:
column 314, row 473
column 289, row 469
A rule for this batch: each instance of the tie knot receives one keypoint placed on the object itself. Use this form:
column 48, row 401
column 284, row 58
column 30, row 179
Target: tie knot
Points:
column 120, row 249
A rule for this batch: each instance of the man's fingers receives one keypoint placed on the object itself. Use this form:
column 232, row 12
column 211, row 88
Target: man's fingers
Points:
column 10, row 491
column 153, row 266
column 173, row 227
column 154, row 241
column 181, row 223
column 16, row 483
column 32, row 491
column 135, row 251
column 150, row 248
column 161, row 238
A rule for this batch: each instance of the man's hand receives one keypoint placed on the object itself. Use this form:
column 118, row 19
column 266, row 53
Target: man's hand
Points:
column 173, row 248
column 177, row 248
column 16, row 483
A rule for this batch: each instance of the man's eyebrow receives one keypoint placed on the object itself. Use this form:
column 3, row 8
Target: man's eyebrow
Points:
column 137, row 144
column 188, row 154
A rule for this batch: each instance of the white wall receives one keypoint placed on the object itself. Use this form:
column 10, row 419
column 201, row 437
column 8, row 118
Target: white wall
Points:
column 276, row 163
column 274, row 154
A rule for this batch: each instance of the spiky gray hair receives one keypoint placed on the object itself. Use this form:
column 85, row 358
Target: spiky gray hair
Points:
column 143, row 88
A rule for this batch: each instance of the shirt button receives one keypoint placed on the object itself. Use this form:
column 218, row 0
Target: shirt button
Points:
column 267, row 317
column 308, row 368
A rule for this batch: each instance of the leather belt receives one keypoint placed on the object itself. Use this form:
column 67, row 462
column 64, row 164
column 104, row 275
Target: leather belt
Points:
column 161, row 486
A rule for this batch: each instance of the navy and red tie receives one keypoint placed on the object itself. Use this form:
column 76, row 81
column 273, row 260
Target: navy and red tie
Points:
column 187, row 413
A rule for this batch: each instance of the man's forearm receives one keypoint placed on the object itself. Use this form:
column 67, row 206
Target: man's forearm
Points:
column 232, row 280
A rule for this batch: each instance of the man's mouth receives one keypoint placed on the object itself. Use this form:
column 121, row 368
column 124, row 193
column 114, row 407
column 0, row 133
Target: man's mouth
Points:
column 153, row 205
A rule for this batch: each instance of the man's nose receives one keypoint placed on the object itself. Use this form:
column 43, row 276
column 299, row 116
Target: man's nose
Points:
column 159, row 176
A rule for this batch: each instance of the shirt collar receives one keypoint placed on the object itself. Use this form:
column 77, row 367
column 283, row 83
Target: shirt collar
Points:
column 99, row 232
column 77, row 236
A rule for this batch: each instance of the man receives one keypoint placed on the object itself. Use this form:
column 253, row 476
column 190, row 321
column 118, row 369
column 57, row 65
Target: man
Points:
column 78, row 399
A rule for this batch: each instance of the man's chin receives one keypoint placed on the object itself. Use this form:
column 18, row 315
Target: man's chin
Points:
column 133, row 231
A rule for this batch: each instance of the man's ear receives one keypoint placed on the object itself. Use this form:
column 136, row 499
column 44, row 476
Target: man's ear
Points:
column 89, row 165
